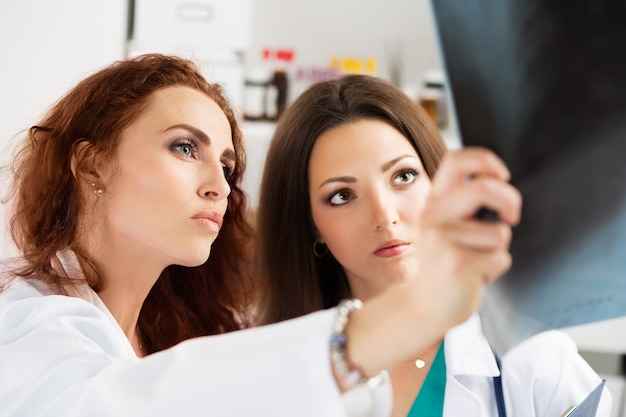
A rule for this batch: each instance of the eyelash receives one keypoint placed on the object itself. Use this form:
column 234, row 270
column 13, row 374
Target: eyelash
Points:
column 411, row 171
column 228, row 169
column 329, row 200
column 176, row 146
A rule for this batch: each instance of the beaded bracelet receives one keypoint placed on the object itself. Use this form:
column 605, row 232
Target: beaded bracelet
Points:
column 350, row 376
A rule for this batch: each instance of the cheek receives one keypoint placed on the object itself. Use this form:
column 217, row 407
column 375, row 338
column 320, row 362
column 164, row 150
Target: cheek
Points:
column 141, row 193
column 153, row 180
column 339, row 234
column 415, row 202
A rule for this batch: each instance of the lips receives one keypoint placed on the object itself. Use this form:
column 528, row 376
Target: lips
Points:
column 391, row 248
column 210, row 220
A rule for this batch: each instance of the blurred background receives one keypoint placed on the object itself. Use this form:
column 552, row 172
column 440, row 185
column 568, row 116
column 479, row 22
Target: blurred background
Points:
column 265, row 52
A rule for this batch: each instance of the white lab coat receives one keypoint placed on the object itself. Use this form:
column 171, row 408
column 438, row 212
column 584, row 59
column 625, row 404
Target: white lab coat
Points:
column 541, row 377
column 66, row 356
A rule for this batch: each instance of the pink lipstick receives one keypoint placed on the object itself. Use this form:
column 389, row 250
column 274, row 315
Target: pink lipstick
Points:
column 391, row 248
column 210, row 220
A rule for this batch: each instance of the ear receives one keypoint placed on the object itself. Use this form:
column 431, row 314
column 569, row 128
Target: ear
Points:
column 82, row 160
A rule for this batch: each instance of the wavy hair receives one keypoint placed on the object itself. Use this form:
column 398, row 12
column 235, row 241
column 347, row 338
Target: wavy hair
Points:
column 184, row 302
column 299, row 282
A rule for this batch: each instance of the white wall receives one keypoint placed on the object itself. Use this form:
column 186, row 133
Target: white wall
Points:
column 46, row 47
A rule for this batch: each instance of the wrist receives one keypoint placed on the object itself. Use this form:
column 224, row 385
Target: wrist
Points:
column 347, row 373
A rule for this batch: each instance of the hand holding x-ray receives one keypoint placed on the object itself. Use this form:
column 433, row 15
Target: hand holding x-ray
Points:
column 543, row 84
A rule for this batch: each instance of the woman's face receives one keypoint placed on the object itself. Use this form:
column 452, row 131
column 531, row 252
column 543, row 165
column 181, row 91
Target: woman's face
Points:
column 167, row 191
column 367, row 188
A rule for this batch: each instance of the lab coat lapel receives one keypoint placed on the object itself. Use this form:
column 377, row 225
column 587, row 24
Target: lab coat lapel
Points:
column 471, row 366
column 462, row 402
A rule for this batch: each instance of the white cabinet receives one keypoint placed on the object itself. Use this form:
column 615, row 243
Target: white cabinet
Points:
column 215, row 34
column 222, row 24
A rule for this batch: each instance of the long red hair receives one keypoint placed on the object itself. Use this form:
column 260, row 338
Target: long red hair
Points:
column 184, row 302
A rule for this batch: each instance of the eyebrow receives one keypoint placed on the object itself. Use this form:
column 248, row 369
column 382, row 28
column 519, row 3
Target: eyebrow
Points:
column 385, row 167
column 346, row 179
column 204, row 138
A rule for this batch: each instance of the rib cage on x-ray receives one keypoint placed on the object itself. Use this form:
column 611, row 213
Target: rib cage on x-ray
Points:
column 543, row 83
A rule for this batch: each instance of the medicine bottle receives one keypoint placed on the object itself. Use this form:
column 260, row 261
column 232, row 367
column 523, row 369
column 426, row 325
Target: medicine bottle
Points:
column 281, row 84
column 433, row 99
column 255, row 93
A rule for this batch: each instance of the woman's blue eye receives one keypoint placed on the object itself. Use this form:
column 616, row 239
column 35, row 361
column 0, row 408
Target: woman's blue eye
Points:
column 406, row 176
column 340, row 198
column 186, row 148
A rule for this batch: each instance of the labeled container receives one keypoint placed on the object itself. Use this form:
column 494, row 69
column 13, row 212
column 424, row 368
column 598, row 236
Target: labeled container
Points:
column 256, row 93
column 280, row 84
column 277, row 98
column 432, row 97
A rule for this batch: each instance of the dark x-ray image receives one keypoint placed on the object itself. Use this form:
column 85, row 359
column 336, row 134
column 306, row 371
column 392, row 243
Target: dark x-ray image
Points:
column 543, row 84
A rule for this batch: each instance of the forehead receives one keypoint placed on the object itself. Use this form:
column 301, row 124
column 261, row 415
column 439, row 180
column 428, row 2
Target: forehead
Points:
column 185, row 102
column 366, row 141
column 176, row 105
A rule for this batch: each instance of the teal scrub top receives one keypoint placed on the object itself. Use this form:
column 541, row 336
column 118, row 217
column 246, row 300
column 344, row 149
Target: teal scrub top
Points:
column 429, row 401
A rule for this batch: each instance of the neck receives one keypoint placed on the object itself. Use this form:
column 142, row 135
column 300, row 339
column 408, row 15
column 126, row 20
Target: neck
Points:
column 125, row 307
column 428, row 356
column 366, row 292
column 126, row 275
column 124, row 297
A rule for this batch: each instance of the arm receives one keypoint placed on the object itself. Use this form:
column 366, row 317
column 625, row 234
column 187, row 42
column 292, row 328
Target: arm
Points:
column 62, row 356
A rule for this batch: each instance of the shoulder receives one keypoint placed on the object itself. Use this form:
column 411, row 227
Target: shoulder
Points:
column 15, row 288
column 541, row 361
column 548, row 369
column 30, row 310
column 552, row 347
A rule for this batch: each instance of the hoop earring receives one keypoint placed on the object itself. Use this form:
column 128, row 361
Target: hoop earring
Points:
column 316, row 252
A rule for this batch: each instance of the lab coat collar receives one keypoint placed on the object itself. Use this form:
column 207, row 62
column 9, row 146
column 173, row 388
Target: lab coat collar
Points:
column 470, row 367
column 66, row 264
column 468, row 352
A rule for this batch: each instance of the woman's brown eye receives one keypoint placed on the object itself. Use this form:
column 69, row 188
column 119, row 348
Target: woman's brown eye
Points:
column 406, row 176
column 340, row 197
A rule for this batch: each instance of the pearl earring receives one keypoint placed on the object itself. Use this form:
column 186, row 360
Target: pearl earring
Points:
column 97, row 191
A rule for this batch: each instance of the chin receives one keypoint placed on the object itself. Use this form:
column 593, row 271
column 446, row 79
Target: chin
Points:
column 199, row 261
column 398, row 280
column 191, row 259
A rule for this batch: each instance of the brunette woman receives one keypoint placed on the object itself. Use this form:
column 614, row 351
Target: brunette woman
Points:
column 352, row 175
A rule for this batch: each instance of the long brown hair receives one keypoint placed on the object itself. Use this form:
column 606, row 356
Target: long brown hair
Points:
column 298, row 281
column 184, row 302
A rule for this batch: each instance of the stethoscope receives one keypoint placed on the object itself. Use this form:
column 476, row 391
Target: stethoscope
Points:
column 497, row 386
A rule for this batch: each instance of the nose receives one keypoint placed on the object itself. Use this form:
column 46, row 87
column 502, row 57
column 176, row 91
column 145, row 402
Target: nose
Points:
column 383, row 211
column 214, row 184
